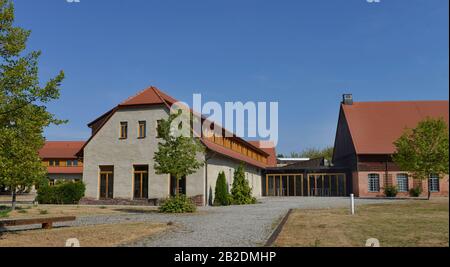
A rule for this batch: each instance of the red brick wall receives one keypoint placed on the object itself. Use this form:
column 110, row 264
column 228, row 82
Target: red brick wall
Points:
column 360, row 184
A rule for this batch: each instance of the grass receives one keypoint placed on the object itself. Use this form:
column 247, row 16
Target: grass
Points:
column 413, row 223
column 89, row 236
column 4, row 211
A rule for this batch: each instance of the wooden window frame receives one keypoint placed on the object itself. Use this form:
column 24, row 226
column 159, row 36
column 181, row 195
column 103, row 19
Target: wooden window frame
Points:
column 141, row 173
column 54, row 161
column 123, row 130
column 142, row 129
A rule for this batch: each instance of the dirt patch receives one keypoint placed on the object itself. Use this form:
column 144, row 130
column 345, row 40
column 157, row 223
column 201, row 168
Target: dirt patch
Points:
column 89, row 236
column 399, row 224
column 27, row 211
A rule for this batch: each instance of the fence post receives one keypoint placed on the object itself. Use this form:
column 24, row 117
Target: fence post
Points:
column 352, row 203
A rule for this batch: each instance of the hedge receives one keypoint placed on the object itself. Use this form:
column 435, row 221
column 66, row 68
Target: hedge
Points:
column 61, row 193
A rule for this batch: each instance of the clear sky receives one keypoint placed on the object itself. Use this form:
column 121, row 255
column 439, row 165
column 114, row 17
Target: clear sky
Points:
column 302, row 53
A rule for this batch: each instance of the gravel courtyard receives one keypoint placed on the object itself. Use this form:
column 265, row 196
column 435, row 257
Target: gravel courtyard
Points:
column 230, row 226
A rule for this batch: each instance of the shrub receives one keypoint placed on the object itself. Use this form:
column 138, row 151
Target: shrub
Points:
column 241, row 192
column 61, row 193
column 390, row 191
column 415, row 192
column 177, row 204
column 222, row 197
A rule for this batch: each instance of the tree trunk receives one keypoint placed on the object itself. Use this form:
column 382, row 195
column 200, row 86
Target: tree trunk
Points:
column 429, row 191
column 13, row 202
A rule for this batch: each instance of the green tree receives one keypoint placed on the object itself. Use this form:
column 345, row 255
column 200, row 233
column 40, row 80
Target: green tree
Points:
column 222, row 197
column 177, row 155
column 314, row 153
column 23, row 114
column 241, row 192
column 423, row 151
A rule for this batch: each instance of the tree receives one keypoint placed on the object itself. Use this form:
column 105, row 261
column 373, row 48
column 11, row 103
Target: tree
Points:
column 241, row 192
column 314, row 153
column 176, row 155
column 423, row 151
column 222, row 197
column 23, row 114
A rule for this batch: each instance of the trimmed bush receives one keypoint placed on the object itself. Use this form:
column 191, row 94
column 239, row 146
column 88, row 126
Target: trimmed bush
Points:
column 390, row 191
column 178, row 204
column 415, row 192
column 222, row 197
column 61, row 193
column 241, row 192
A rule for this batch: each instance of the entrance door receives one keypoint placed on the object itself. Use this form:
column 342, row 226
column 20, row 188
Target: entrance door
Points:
column 106, row 182
column 179, row 186
column 140, row 182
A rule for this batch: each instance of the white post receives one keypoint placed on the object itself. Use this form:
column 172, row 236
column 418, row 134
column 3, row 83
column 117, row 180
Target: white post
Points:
column 352, row 203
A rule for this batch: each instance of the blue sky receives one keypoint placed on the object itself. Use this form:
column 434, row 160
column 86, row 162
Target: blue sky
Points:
column 302, row 53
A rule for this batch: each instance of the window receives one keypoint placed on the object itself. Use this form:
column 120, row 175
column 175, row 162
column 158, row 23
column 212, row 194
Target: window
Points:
column 402, row 182
column 53, row 163
column 374, row 182
column 142, row 129
column 72, row 163
column 158, row 122
column 123, row 130
column 434, row 183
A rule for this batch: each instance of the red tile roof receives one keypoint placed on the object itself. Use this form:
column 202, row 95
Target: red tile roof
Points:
column 60, row 149
column 65, row 170
column 374, row 126
column 152, row 96
column 148, row 96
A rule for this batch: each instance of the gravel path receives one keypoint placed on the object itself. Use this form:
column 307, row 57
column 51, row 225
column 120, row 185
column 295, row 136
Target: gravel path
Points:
column 220, row 226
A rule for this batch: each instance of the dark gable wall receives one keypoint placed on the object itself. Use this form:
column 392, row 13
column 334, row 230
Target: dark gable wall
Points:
column 344, row 151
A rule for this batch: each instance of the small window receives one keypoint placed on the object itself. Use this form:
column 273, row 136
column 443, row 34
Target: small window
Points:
column 402, row 182
column 72, row 163
column 123, row 130
column 54, row 163
column 374, row 182
column 142, row 129
column 158, row 122
column 434, row 183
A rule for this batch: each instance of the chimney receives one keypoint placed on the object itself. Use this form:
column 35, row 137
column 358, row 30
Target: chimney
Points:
column 347, row 99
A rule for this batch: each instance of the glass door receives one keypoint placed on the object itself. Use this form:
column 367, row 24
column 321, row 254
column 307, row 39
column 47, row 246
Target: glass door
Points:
column 106, row 182
column 140, row 182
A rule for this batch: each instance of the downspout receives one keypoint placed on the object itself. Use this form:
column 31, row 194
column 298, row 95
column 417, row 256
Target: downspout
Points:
column 386, row 172
column 206, row 178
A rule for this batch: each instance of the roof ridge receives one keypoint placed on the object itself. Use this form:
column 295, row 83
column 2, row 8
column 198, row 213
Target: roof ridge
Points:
column 135, row 95
column 399, row 101
column 157, row 92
